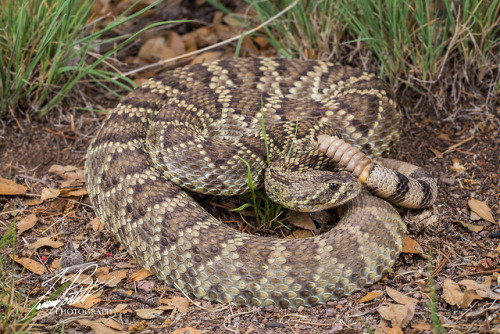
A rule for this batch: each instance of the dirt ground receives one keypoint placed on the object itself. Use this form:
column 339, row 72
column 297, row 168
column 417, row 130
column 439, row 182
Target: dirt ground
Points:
column 456, row 244
column 457, row 252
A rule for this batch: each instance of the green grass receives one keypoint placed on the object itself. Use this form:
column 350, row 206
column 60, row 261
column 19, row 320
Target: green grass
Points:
column 47, row 47
column 267, row 212
column 12, row 317
column 444, row 52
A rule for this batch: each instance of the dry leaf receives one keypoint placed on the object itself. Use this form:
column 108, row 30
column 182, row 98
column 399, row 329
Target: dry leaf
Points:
column 49, row 193
column 206, row 56
column 42, row 242
column 399, row 315
column 88, row 301
column 162, row 48
column 31, row 265
column 370, row 296
column 482, row 290
column 68, row 172
column 186, row 330
column 121, row 308
column 127, row 265
column 113, row 278
column 99, row 326
column 97, row 225
column 411, row 246
column 180, row 303
column 79, row 278
column 437, row 153
column 301, row 219
column 26, row 223
column 148, row 313
column 300, row 234
column 33, row 202
column 471, row 227
column 400, row 297
column 140, row 275
column 482, row 209
column 452, row 293
column 77, row 192
column 421, row 326
column 112, row 323
column 8, row 187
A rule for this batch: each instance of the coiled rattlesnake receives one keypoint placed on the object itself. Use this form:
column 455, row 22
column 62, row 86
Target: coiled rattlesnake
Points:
column 186, row 120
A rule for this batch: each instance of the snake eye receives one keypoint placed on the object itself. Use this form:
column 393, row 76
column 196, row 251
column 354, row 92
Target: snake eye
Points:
column 334, row 186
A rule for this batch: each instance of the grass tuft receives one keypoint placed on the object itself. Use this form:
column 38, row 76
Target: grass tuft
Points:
column 47, row 47
column 448, row 51
column 12, row 314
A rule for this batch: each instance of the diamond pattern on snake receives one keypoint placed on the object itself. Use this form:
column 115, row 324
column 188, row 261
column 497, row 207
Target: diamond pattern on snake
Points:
column 187, row 131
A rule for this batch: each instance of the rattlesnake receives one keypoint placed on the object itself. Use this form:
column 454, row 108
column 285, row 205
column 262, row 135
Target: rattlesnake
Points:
column 168, row 119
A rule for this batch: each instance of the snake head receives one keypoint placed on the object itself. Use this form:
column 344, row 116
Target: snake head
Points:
column 311, row 191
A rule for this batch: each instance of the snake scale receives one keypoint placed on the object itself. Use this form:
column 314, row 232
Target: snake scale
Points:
column 193, row 126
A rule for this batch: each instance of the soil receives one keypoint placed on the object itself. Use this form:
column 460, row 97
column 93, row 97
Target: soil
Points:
column 468, row 168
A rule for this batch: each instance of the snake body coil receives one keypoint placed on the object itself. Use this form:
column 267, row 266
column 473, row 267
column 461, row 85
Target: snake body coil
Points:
column 196, row 123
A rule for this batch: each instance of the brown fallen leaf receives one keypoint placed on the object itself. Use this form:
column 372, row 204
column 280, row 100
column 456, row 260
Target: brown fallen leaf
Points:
column 49, row 193
column 400, row 297
column 97, row 225
column 99, row 326
column 121, row 308
column 160, row 47
column 300, row 234
column 140, row 275
column 44, row 242
column 8, row 187
column 79, row 278
column 112, row 323
column 113, row 278
column 31, row 265
column 301, row 219
column 69, row 192
column 482, row 290
column 180, row 303
column 452, row 293
column 482, row 209
column 148, row 313
column 68, row 172
column 87, row 301
column 32, row 202
column 472, row 227
column 399, row 315
column 411, row 246
column 421, row 326
column 26, row 223
column 206, row 56
column 437, row 153
column 370, row 296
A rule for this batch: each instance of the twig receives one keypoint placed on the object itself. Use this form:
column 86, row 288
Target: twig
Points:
column 441, row 265
column 451, row 148
column 123, row 294
column 210, row 47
